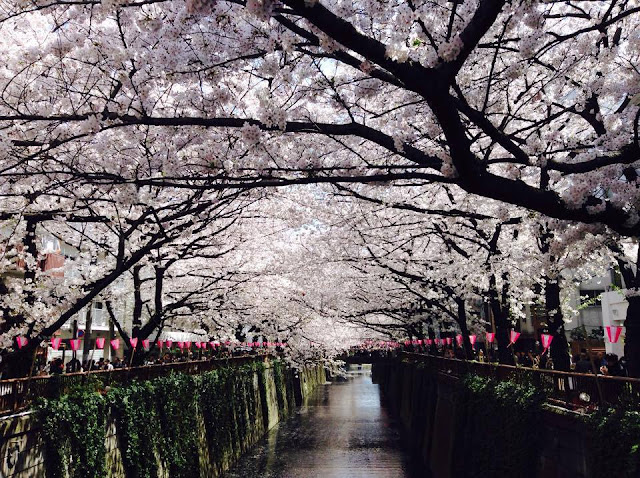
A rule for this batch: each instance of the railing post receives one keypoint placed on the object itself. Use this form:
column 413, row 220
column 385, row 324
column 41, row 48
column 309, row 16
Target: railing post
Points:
column 14, row 393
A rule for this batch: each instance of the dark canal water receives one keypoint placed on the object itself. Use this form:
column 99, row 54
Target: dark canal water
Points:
column 344, row 431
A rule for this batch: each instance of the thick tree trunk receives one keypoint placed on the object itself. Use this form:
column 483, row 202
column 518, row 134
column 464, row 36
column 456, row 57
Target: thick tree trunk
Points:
column 502, row 323
column 632, row 336
column 462, row 323
column 632, row 321
column 559, row 345
column 501, row 319
column 18, row 365
column 137, row 297
column 86, row 345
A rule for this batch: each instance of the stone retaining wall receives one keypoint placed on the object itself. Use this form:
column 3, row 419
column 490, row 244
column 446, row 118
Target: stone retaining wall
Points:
column 21, row 448
column 426, row 408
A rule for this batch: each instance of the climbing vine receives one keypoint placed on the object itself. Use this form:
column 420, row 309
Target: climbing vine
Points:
column 138, row 428
column 176, row 402
column 73, row 428
column 158, row 422
column 500, row 426
column 614, row 442
column 279, row 379
column 230, row 408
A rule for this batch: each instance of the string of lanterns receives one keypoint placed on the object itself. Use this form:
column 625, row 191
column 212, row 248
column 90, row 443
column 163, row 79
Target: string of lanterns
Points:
column 612, row 332
column 100, row 343
column 613, row 335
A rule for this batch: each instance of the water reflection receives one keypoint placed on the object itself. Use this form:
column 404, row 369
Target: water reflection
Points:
column 342, row 432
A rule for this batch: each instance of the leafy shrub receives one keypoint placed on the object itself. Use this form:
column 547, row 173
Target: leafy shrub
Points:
column 614, row 443
column 138, row 427
column 500, row 426
column 73, row 428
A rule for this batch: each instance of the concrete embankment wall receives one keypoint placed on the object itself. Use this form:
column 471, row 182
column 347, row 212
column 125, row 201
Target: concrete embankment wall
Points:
column 275, row 394
column 428, row 406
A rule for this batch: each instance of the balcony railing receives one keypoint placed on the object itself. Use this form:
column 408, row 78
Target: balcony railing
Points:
column 567, row 389
column 18, row 394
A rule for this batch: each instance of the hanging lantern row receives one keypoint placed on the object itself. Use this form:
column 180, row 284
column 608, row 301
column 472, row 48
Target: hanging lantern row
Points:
column 56, row 342
column 489, row 336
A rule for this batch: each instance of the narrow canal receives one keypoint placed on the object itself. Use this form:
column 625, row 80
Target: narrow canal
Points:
column 343, row 431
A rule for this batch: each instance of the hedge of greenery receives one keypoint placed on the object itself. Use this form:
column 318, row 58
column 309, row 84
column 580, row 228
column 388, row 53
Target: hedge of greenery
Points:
column 614, row 442
column 158, row 423
column 499, row 428
column 74, row 428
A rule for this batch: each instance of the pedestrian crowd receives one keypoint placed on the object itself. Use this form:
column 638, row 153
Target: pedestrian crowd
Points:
column 57, row 365
column 602, row 364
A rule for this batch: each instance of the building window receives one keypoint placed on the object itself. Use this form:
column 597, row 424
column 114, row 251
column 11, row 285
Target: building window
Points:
column 590, row 298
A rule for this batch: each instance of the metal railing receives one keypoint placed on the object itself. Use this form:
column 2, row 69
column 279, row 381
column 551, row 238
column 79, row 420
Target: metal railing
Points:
column 18, row 394
column 568, row 389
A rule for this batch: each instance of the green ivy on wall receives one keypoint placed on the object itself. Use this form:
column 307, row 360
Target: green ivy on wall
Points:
column 499, row 427
column 157, row 423
column 281, row 392
column 176, row 402
column 138, row 427
column 231, row 412
column 73, row 429
column 614, row 442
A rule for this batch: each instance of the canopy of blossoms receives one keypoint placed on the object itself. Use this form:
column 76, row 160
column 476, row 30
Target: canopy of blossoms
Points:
column 211, row 161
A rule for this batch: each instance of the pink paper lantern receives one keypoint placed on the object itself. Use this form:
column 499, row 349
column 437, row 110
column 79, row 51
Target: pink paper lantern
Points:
column 459, row 340
column 490, row 337
column 514, row 336
column 75, row 344
column 180, row 345
column 100, row 342
column 145, row 344
column 22, row 341
column 203, row 345
column 546, row 340
column 407, row 342
column 429, row 342
column 419, row 342
column 198, row 345
column 613, row 333
column 472, row 339
column 133, row 342
column 169, row 343
column 187, row 344
column 115, row 344
column 55, row 343
column 213, row 345
column 160, row 344
column 449, row 340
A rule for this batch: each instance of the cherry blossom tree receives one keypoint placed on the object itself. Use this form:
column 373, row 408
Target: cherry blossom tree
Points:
column 122, row 235
column 534, row 104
